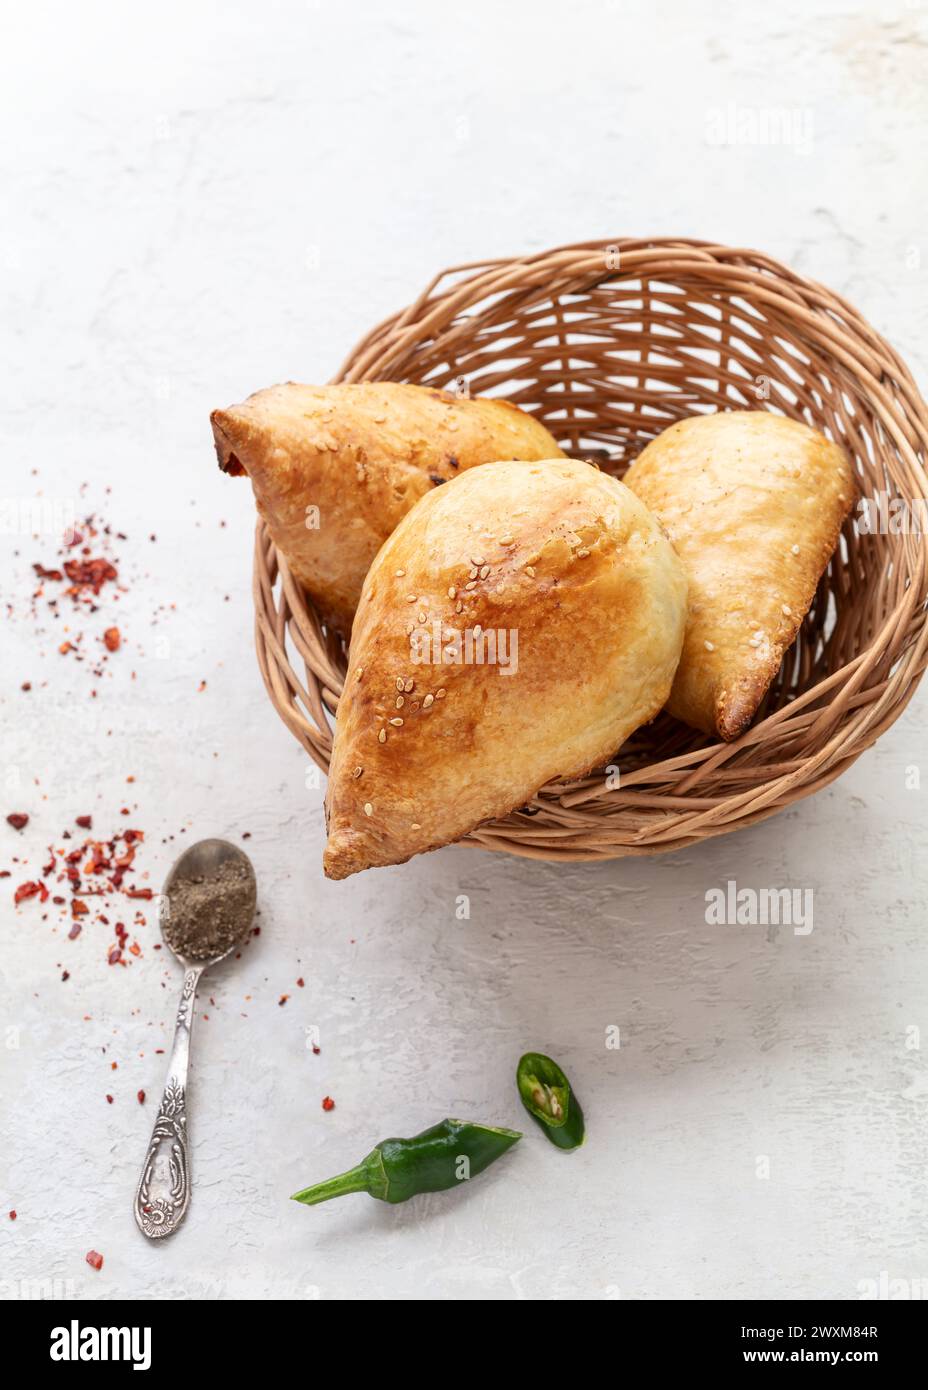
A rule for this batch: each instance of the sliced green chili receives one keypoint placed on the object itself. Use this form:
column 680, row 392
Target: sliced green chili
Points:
column 432, row 1161
column 546, row 1094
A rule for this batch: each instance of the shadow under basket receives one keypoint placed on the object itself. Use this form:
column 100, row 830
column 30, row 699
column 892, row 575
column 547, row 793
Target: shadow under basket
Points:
column 608, row 343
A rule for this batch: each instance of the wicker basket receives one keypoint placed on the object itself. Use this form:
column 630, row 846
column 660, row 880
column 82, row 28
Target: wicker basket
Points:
column 608, row 343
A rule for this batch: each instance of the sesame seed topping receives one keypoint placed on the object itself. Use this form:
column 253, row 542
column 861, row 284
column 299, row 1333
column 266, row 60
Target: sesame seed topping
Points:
column 786, row 610
column 410, row 685
column 415, row 825
column 709, row 646
column 399, row 682
column 484, row 571
column 471, row 584
column 368, row 809
column 428, row 701
column 474, row 572
column 476, row 560
column 459, row 608
column 410, row 627
column 357, row 772
column 359, row 673
column 396, row 720
column 507, row 540
column 400, row 702
column 530, row 571
column 400, row 573
column 382, row 736
column 795, row 549
column 412, row 598
column 582, row 554
column 414, row 705
column 477, row 630
column 452, row 592
column 422, row 615
column 440, row 694
column 754, row 642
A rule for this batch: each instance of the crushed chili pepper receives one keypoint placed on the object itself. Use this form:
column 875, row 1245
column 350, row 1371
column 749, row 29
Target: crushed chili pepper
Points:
column 328, row 1103
column 18, row 820
column 94, row 1259
column 85, row 822
column 26, row 890
column 109, row 1100
column 112, row 639
column 13, row 1215
column 141, row 1097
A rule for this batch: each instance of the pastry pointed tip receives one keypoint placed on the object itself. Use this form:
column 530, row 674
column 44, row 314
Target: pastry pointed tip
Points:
column 229, row 436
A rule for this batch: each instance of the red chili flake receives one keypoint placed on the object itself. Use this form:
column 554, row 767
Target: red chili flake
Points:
column 85, row 822
column 115, row 956
column 43, row 573
column 26, row 685
column 65, row 648
column 112, row 639
column 283, row 999
column 328, row 1103
column 109, row 1100
column 65, row 975
column 114, row 1066
column 79, row 908
column 139, row 893
column 26, row 890
column 75, row 932
column 141, row 1097
column 201, row 686
column 135, row 949
column 18, row 820
column 300, row 982
column 91, row 574
column 94, row 1259
column 13, row 1215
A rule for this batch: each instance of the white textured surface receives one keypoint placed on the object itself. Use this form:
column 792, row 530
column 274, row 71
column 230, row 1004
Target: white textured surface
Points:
column 204, row 200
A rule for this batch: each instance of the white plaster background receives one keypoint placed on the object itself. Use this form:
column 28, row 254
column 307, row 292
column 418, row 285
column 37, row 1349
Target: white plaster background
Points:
column 202, row 199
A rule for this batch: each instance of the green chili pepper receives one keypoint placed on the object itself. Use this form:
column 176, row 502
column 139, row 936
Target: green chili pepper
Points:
column 545, row 1092
column 432, row 1161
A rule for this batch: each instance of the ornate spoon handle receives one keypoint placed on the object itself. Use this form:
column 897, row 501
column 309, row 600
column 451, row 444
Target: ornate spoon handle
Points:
column 163, row 1193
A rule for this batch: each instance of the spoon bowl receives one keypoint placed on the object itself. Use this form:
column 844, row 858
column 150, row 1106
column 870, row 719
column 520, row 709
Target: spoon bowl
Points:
column 202, row 860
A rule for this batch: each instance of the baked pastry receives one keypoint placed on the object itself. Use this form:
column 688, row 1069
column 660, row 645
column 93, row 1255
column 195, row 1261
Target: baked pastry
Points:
column 517, row 626
column 335, row 468
column 753, row 504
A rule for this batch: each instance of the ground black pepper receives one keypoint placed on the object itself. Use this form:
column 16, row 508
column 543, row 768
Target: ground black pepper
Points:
column 210, row 913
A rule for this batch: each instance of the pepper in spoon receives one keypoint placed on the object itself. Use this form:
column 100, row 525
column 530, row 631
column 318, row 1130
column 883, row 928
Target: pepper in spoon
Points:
column 207, row 909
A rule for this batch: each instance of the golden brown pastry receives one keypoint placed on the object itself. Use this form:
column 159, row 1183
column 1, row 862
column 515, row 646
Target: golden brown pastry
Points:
column 517, row 626
column 753, row 505
column 335, row 468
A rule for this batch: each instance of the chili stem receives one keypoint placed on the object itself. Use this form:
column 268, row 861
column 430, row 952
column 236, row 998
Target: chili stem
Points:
column 355, row 1180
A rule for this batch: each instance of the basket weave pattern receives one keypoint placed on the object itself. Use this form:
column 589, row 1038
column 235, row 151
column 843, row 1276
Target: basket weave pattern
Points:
column 608, row 343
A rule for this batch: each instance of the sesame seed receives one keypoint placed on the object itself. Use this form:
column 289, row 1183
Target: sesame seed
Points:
column 414, row 705
column 382, row 736
column 400, row 573
column 473, row 574
column 477, row 630
column 410, row 685
column 410, row 627
column 422, row 615
column 582, row 554
column 530, row 571
column 359, row 673
column 428, row 702
column 440, row 694
column 399, row 682
column 452, row 592
column 787, row 610
column 795, row 549
column 400, row 702
column 754, row 642
column 507, row 540
column 368, row 809
column 357, row 772
column 476, row 560
column 472, row 584
column 709, row 646
column 459, row 608
column 415, row 825
column 411, row 598
column 484, row 571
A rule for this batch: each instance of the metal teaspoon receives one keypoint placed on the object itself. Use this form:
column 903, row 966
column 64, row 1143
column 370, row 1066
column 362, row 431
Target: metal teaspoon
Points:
column 163, row 1193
